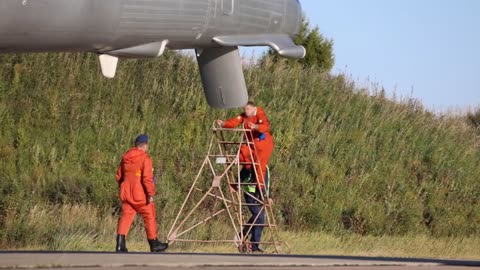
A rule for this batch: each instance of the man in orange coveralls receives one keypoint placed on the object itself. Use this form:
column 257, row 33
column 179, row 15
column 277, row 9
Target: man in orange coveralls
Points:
column 137, row 191
column 255, row 119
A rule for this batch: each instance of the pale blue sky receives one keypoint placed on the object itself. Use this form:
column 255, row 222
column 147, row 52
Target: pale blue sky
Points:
column 428, row 49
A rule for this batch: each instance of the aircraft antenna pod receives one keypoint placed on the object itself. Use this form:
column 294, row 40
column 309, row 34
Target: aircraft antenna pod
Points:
column 108, row 65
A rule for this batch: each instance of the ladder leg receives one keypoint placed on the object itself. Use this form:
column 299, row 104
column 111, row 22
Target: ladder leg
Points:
column 187, row 198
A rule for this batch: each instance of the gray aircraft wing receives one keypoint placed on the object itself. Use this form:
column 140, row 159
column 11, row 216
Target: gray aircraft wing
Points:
column 280, row 43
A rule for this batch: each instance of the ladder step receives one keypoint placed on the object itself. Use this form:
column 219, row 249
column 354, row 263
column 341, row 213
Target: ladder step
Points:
column 258, row 225
column 223, row 156
column 242, row 163
column 255, row 204
column 228, row 142
column 244, row 184
column 247, row 163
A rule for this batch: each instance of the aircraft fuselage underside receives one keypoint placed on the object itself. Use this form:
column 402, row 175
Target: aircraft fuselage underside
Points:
column 145, row 28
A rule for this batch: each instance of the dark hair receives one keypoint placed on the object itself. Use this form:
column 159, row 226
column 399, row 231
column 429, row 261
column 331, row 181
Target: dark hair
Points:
column 250, row 103
column 139, row 144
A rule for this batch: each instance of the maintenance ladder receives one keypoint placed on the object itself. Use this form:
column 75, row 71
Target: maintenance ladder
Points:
column 217, row 191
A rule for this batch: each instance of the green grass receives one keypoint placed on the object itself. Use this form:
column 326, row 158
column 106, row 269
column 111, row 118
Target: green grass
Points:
column 415, row 246
column 84, row 228
column 349, row 163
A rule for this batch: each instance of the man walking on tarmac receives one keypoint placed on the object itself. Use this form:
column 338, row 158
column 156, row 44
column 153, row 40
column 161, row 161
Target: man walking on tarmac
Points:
column 137, row 191
column 255, row 119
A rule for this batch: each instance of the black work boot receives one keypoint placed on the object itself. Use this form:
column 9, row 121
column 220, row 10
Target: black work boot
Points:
column 258, row 251
column 121, row 244
column 157, row 246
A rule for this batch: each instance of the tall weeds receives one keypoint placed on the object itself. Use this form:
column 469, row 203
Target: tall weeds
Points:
column 346, row 160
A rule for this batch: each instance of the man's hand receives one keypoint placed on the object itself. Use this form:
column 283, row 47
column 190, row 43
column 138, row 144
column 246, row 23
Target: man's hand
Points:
column 150, row 199
column 253, row 126
column 220, row 123
column 270, row 201
column 233, row 188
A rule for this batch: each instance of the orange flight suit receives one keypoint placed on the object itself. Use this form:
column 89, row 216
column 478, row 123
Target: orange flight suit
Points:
column 135, row 176
column 262, row 139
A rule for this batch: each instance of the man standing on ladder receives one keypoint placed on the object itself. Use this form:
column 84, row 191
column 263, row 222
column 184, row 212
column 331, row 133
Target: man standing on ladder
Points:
column 255, row 119
column 137, row 191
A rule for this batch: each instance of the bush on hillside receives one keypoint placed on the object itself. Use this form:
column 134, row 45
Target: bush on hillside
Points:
column 473, row 118
column 319, row 49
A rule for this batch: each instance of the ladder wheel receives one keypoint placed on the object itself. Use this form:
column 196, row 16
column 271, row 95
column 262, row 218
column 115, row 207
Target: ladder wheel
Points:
column 245, row 248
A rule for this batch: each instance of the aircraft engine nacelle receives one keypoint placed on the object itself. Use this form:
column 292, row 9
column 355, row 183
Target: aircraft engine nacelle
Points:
column 222, row 77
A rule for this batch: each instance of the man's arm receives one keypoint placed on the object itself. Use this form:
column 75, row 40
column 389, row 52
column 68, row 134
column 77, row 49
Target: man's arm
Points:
column 119, row 176
column 263, row 125
column 147, row 177
column 233, row 122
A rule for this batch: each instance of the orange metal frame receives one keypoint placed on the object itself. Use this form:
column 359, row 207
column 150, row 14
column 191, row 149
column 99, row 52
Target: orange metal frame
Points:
column 223, row 163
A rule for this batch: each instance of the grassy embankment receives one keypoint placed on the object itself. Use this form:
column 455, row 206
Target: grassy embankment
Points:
column 354, row 173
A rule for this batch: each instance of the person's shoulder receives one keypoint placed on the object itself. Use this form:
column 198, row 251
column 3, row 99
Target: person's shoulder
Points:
column 260, row 111
column 148, row 157
column 126, row 153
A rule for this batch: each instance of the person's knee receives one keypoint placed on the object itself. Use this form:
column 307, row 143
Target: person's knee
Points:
column 148, row 217
column 259, row 216
column 261, row 219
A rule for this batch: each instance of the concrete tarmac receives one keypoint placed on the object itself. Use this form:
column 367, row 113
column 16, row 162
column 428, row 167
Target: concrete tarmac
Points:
column 147, row 261
column 287, row 268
